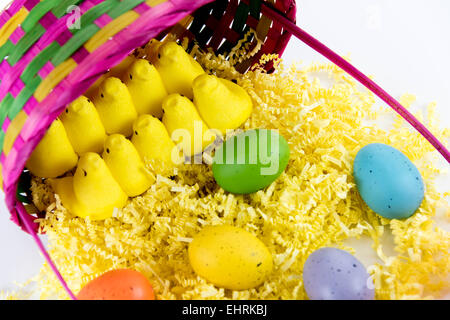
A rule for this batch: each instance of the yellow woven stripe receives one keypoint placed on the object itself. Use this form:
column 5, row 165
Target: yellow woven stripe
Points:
column 54, row 78
column 9, row 27
column 152, row 3
column 13, row 131
column 110, row 30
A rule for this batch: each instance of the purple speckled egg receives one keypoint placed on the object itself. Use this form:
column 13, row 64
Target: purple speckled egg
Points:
column 334, row 274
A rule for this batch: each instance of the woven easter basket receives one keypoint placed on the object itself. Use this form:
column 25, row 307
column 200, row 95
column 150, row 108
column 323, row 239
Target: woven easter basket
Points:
column 46, row 63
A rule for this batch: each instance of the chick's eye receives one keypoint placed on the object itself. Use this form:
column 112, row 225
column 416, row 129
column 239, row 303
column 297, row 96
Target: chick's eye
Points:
column 67, row 110
column 101, row 95
column 85, row 173
column 159, row 55
column 131, row 76
column 107, row 150
column 136, row 133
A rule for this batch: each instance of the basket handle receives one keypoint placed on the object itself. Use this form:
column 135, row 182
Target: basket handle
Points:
column 315, row 44
column 22, row 212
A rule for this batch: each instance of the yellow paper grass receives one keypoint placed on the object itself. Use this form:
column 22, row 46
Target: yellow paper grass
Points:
column 313, row 204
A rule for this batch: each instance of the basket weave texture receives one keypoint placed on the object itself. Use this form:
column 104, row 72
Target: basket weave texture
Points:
column 52, row 51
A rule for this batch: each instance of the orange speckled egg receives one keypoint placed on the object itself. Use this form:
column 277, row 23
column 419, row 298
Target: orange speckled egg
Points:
column 120, row 284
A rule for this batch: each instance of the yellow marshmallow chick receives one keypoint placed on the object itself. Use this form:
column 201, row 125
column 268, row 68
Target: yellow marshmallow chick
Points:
column 92, row 91
column 152, row 140
column 126, row 165
column 146, row 88
column 151, row 50
column 119, row 70
column 95, row 188
column 221, row 103
column 185, row 126
column 83, row 126
column 54, row 154
column 115, row 107
column 64, row 189
column 177, row 69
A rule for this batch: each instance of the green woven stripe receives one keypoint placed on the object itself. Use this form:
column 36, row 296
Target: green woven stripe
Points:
column 240, row 18
column 84, row 34
column 23, row 187
column 5, row 105
column 33, row 31
column 23, row 97
column 74, row 43
column 255, row 8
column 39, row 61
column 123, row 7
column 62, row 8
column 25, row 43
column 2, row 139
column 96, row 12
column 37, row 13
column 5, row 49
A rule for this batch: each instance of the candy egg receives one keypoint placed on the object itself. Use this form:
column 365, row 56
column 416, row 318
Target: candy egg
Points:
column 230, row 257
column 388, row 181
column 250, row 161
column 121, row 284
column 334, row 274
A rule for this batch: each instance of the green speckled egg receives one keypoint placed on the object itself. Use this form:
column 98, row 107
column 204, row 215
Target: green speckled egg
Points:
column 250, row 161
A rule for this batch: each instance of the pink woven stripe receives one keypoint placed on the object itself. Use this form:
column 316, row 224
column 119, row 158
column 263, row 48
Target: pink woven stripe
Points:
column 18, row 86
column 6, row 124
column 11, row 11
column 80, row 54
column 103, row 20
column 17, row 35
column 95, row 2
column 47, row 38
column 15, row 72
column 48, row 20
column 143, row 7
column 30, row 4
column 18, row 144
column 109, row 54
column 64, row 36
column 28, row 108
column 4, row 67
column 46, row 69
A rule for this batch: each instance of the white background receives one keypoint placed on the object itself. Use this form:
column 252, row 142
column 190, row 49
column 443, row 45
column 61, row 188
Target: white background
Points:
column 404, row 44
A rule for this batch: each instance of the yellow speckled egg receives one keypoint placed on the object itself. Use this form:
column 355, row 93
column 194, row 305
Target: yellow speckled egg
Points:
column 230, row 257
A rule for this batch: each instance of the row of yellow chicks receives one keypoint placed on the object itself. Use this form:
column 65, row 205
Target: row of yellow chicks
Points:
column 117, row 109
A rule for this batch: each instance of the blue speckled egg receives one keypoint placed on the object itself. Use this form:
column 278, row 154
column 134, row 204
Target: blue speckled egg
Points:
column 334, row 274
column 388, row 182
